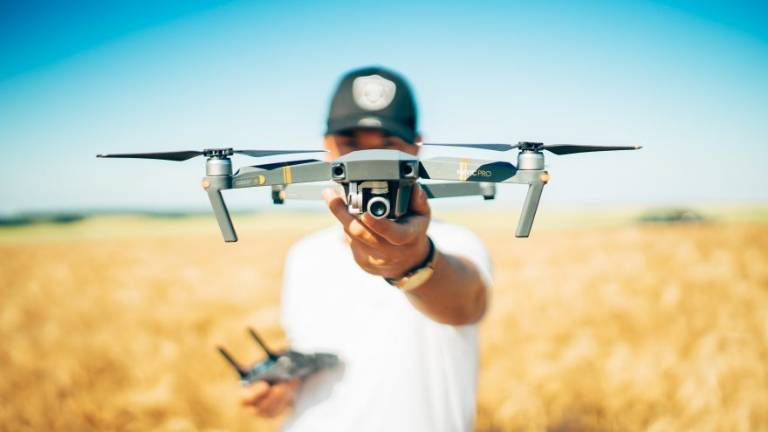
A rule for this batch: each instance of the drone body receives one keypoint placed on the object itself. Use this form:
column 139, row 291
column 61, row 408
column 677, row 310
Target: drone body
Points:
column 379, row 181
column 280, row 366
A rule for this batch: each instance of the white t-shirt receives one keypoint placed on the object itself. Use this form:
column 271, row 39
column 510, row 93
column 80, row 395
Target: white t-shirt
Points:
column 400, row 370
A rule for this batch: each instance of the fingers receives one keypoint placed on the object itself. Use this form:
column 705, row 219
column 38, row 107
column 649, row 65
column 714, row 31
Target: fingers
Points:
column 254, row 393
column 275, row 401
column 270, row 400
column 371, row 231
column 352, row 225
column 400, row 232
column 419, row 201
column 407, row 229
column 337, row 206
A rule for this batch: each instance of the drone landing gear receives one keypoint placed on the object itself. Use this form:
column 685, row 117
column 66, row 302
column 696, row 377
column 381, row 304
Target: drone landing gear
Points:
column 218, row 170
column 530, row 206
column 535, row 178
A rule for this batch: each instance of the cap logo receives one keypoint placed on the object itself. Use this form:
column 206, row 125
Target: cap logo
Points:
column 373, row 92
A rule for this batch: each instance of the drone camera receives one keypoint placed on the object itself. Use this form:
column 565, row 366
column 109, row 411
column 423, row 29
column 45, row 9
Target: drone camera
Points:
column 378, row 207
column 338, row 171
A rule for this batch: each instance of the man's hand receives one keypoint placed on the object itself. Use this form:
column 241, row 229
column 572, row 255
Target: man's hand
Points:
column 267, row 400
column 384, row 247
column 454, row 294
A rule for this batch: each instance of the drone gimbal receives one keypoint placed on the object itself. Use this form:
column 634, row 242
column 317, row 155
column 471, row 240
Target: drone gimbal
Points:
column 379, row 182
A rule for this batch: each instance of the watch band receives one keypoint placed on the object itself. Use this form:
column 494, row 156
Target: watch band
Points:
column 419, row 274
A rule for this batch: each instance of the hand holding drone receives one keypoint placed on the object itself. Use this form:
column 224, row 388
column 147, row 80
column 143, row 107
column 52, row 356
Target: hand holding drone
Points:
column 379, row 182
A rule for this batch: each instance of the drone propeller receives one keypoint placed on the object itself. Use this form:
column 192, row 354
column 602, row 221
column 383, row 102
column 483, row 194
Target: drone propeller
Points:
column 494, row 147
column 273, row 165
column 563, row 149
column 558, row 149
column 189, row 154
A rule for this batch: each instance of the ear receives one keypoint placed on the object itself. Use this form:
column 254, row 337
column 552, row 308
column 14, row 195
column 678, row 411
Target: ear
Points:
column 417, row 142
column 329, row 143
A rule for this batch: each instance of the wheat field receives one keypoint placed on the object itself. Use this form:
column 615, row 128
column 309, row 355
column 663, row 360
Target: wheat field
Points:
column 111, row 324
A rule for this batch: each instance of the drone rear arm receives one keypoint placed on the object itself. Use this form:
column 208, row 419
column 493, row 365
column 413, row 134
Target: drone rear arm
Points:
column 458, row 189
column 434, row 190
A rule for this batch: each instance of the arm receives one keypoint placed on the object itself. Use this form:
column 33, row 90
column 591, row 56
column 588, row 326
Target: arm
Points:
column 454, row 294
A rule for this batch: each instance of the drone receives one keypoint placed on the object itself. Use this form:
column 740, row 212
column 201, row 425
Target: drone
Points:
column 378, row 181
column 280, row 366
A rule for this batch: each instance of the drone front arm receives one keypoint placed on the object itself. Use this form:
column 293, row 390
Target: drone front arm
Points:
column 220, row 178
column 466, row 169
column 287, row 174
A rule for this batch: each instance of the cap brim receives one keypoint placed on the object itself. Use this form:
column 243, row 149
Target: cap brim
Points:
column 368, row 121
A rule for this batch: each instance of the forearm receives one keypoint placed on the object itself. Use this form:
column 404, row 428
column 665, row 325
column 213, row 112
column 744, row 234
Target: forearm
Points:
column 455, row 293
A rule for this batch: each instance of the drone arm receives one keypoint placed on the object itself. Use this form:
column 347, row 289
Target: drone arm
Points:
column 302, row 191
column 288, row 174
column 433, row 190
column 466, row 169
column 456, row 189
column 213, row 186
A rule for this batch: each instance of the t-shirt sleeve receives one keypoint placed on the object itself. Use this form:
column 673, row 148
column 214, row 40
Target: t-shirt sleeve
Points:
column 458, row 240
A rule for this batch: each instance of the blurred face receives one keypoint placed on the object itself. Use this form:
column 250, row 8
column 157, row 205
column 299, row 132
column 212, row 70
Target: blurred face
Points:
column 365, row 139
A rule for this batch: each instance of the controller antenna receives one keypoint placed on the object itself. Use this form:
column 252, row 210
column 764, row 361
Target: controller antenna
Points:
column 272, row 356
column 233, row 362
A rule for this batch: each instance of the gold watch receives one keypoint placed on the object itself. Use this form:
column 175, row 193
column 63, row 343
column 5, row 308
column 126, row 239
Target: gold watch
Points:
column 419, row 274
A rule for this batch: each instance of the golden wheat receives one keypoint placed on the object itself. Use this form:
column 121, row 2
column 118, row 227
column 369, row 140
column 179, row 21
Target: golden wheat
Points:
column 624, row 328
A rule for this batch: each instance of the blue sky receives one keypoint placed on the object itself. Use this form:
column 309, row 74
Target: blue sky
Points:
column 687, row 80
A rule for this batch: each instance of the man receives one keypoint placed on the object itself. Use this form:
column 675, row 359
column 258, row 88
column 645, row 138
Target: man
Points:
column 397, row 301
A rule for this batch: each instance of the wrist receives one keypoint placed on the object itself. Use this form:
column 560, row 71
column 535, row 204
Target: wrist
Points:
column 417, row 274
column 416, row 257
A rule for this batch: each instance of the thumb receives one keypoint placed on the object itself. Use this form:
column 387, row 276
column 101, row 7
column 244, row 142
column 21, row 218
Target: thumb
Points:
column 419, row 201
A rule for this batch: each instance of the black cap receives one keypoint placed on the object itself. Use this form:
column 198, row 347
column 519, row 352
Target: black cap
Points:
column 374, row 97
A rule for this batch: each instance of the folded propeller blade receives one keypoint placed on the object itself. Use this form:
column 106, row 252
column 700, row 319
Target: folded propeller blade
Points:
column 171, row 156
column 189, row 154
column 563, row 149
column 558, row 149
column 269, row 166
column 262, row 153
column 494, row 147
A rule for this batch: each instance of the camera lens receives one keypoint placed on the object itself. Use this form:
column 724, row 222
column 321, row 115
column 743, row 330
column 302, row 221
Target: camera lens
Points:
column 378, row 207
